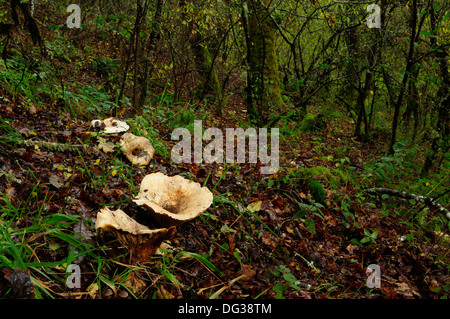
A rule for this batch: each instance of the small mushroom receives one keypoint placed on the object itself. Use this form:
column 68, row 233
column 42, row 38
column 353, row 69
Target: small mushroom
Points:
column 173, row 200
column 137, row 149
column 141, row 241
column 111, row 125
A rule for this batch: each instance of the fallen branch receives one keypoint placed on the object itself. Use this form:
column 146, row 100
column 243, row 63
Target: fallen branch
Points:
column 51, row 146
column 421, row 199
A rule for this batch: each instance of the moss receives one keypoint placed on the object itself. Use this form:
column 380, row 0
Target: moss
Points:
column 317, row 191
column 313, row 122
column 264, row 58
column 307, row 122
column 208, row 70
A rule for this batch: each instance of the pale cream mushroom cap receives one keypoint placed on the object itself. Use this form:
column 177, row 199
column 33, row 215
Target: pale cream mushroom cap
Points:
column 139, row 150
column 141, row 241
column 112, row 125
column 173, row 200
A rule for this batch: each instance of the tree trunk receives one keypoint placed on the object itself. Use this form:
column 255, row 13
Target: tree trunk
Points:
column 208, row 80
column 409, row 66
column 412, row 107
column 265, row 85
column 443, row 128
column 251, row 111
column 151, row 46
column 141, row 13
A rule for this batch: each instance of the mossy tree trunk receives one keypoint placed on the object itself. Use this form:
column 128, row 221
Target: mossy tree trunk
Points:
column 208, row 81
column 440, row 139
column 409, row 65
column 151, row 50
column 263, row 83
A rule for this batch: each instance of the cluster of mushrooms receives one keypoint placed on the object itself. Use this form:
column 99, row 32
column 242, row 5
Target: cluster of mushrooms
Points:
column 171, row 201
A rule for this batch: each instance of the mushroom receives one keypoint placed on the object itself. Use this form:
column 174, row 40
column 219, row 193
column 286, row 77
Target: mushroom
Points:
column 173, row 200
column 112, row 125
column 141, row 241
column 137, row 149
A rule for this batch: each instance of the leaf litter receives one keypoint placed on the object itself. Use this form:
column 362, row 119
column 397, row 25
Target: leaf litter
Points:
column 246, row 245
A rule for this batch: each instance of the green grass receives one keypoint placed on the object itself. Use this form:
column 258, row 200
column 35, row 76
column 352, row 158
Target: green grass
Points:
column 21, row 244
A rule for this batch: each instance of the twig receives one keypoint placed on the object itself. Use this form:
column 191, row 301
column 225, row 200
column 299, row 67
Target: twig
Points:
column 421, row 199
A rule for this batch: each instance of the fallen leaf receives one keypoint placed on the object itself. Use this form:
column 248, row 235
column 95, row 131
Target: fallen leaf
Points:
column 351, row 248
column 92, row 289
column 163, row 293
column 55, row 181
column 248, row 271
column 255, row 206
column 136, row 284
column 105, row 145
column 404, row 289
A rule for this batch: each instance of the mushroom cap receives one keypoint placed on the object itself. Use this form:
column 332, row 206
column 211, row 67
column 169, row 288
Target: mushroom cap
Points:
column 173, row 200
column 139, row 150
column 141, row 241
column 112, row 125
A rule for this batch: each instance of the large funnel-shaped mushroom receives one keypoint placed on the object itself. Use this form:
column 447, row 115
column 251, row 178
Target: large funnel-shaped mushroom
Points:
column 173, row 200
column 141, row 241
column 137, row 149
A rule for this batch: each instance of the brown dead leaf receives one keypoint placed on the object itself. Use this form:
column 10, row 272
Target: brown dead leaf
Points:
column 163, row 293
column 32, row 109
column 266, row 239
column 136, row 284
column 331, row 220
column 404, row 289
column 248, row 271
column 302, row 195
column 351, row 248
column 231, row 242
column 56, row 181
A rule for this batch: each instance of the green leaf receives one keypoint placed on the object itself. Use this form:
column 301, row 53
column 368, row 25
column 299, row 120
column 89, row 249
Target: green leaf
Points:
column 237, row 255
column 398, row 147
column 223, row 248
column 300, row 214
column 290, row 278
column 310, row 225
column 279, row 289
column 204, row 260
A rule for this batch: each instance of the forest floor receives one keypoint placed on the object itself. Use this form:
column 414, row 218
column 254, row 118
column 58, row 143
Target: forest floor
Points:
column 252, row 235
column 263, row 237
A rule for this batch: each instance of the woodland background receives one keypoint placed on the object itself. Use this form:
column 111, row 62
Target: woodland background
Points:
column 358, row 108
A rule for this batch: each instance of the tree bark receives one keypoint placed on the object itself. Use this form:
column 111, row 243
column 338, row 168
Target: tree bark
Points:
column 151, row 48
column 409, row 66
column 265, row 87
column 443, row 108
column 141, row 13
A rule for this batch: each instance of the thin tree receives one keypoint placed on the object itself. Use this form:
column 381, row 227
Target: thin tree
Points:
column 409, row 66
